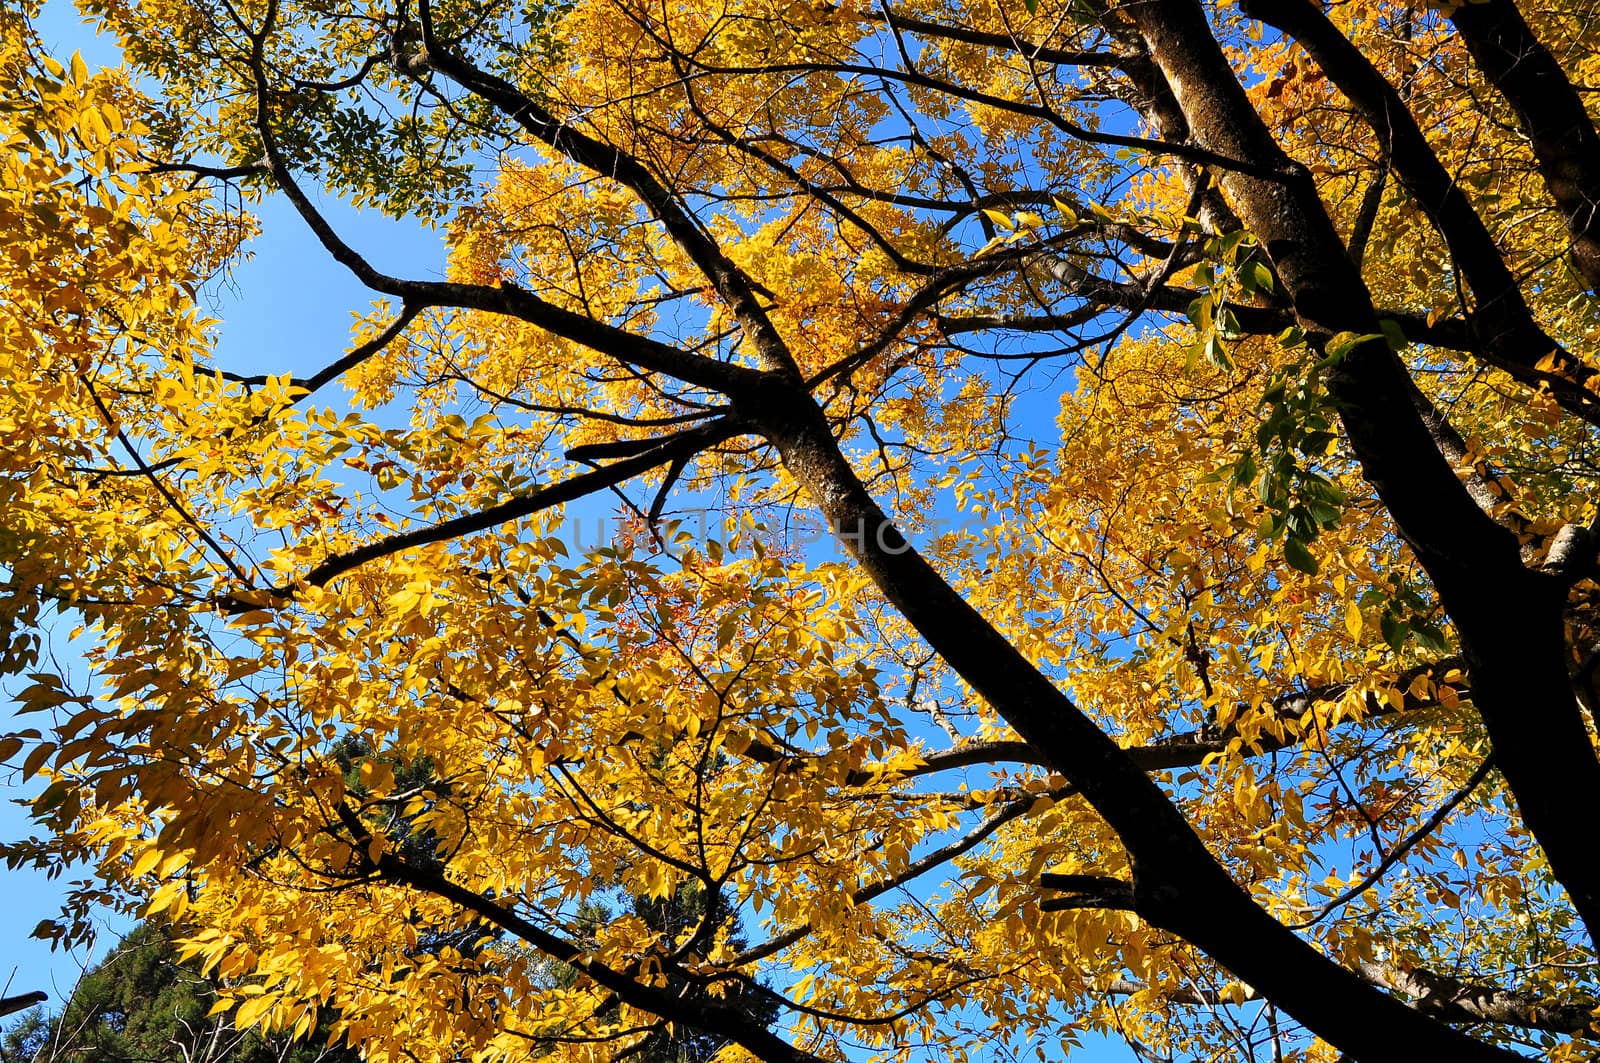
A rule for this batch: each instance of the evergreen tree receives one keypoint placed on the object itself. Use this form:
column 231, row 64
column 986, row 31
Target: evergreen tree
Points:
column 671, row 917
column 142, row 1004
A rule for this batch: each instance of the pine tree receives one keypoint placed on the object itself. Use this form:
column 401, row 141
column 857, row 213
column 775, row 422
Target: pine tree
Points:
column 142, row 1004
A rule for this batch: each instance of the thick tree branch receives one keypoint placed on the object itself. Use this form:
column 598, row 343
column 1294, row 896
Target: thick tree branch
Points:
column 1511, row 339
column 1509, row 619
column 1155, row 102
column 1178, row 884
column 1085, row 891
column 11, row 1005
column 1456, row 1000
column 1551, row 113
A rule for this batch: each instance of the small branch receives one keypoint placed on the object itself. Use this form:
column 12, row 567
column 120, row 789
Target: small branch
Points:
column 1367, row 214
column 258, row 168
column 1033, row 52
column 912, row 870
column 161, row 488
column 674, row 471
column 1398, row 853
column 1457, row 334
column 683, row 445
column 330, row 372
column 1186, row 749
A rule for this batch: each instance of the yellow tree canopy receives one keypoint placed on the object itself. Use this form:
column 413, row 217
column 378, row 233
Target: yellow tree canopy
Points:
column 1104, row 535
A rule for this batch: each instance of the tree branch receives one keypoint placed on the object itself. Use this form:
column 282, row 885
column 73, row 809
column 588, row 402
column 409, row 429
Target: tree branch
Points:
column 1398, row 853
column 1038, row 53
column 680, row 446
column 1509, row 619
column 1551, row 114
column 1511, row 339
column 730, row 282
column 507, row 299
column 333, row 370
column 916, row 868
column 1456, row 1000
column 724, row 1020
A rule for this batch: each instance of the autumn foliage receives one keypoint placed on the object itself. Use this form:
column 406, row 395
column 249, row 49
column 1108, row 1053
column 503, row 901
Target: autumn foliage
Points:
column 1200, row 399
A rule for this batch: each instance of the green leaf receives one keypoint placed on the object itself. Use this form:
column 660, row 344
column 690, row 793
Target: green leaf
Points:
column 1391, row 332
column 1325, row 515
column 1316, row 444
column 1431, row 637
column 1298, row 556
column 1244, row 470
column 1261, row 276
column 1394, row 630
column 1301, row 527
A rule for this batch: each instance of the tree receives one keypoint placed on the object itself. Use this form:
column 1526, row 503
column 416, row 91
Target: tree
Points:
column 671, row 917
column 1202, row 399
column 142, row 1004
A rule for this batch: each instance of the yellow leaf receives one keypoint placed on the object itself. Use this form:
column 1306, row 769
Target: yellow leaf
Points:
column 145, row 862
column 376, row 776
column 254, row 1010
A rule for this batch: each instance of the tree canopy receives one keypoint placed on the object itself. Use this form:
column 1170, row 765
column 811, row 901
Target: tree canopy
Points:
column 1200, row 400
